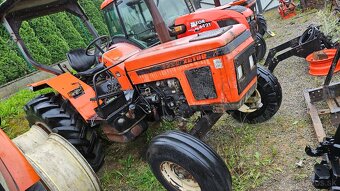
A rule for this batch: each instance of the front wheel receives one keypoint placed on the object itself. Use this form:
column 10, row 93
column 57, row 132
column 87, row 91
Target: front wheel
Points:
column 265, row 101
column 182, row 162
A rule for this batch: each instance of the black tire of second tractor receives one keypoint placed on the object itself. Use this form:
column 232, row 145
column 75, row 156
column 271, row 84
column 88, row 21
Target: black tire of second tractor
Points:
column 261, row 47
column 271, row 98
column 261, row 24
column 59, row 116
column 192, row 154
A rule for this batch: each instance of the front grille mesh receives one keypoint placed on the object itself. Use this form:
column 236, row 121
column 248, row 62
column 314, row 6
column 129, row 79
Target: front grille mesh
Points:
column 201, row 83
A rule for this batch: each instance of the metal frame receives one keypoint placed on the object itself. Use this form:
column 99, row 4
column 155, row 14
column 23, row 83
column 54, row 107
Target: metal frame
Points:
column 327, row 173
column 298, row 48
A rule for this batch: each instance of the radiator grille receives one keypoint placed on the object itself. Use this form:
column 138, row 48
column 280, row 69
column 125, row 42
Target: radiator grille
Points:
column 201, row 83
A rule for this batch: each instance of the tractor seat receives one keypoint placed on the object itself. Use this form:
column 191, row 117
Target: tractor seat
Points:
column 79, row 61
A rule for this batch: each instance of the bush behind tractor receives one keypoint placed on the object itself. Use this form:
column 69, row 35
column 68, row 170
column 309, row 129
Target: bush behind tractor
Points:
column 118, row 88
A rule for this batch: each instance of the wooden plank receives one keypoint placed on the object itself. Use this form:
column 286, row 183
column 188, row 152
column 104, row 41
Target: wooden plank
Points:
column 333, row 105
column 313, row 112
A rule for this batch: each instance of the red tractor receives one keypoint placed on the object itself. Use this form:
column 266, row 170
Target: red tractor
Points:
column 118, row 88
column 131, row 21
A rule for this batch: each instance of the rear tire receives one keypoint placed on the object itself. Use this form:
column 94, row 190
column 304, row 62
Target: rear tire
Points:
column 56, row 114
column 182, row 162
column 271, row 97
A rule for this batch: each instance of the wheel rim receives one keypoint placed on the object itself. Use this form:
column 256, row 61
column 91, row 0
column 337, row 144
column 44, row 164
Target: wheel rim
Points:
column 178, row 177
column 252, row 104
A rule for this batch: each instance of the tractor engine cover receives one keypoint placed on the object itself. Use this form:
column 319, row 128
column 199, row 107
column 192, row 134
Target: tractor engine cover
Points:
column 215, row 69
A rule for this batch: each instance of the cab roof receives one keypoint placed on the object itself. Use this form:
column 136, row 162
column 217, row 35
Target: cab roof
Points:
column 28, row 9
column 106, row 3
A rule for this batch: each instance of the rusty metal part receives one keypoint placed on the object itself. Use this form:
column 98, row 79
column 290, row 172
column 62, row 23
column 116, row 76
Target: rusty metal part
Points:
column 204, row 124
column 113, row 135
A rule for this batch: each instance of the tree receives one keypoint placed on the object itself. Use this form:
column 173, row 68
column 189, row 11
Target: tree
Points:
column 51, row 37
column 12, row 65
column 95, row 16
column 69, row 32
column 36, row 49
column 79, row 25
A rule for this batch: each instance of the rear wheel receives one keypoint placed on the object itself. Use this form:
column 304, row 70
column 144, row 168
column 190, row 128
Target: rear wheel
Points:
column 182, row 162
column 55, row 114
column 265, row 101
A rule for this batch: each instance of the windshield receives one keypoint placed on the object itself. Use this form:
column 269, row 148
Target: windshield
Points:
column 137, row 21
column 170, row 10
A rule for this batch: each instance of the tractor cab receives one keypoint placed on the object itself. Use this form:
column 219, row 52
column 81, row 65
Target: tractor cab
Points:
column 131, row 20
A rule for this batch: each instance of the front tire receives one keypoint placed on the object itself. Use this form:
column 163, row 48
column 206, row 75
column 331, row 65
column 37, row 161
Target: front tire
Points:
column 270, row 92
column 55, row 114
column 182, row 162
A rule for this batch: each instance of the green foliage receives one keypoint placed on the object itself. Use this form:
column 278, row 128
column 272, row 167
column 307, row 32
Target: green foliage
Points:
column 37, row 50
column 330, row 24
column 79, row 25
column 12, row 65
column 48, row 39
column 51, row 37
column 12, row 113
column 69, row 32
column 95, row 16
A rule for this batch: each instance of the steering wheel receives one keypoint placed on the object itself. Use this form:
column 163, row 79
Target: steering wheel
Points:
column 100, row 44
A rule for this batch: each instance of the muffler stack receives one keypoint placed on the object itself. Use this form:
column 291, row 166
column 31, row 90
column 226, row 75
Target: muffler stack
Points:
column 60, row 166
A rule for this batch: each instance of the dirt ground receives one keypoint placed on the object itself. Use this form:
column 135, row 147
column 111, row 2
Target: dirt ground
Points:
column 261, row 156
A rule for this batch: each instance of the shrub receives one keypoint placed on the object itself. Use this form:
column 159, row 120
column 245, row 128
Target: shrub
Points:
column 95, row 16
column 37, row 50
column 12, row 66
column 51, row 37
column 69, row 32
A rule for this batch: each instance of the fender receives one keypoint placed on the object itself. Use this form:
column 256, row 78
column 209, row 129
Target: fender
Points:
column 71, row 88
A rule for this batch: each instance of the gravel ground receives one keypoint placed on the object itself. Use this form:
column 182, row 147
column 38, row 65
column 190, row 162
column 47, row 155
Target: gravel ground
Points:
column 291, row 129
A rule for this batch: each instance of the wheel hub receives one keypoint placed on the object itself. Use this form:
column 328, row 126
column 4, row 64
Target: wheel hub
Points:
column 178, row 177
column 252, row 104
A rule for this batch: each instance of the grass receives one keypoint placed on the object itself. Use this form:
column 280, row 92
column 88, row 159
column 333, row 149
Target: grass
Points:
column 12, row 115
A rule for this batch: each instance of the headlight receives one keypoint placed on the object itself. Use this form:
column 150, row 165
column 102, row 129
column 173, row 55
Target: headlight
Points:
column 239, row 72
column 251, row 61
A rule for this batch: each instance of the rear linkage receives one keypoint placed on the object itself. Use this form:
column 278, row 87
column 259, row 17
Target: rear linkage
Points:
column 310, row 41
column 327, row 172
